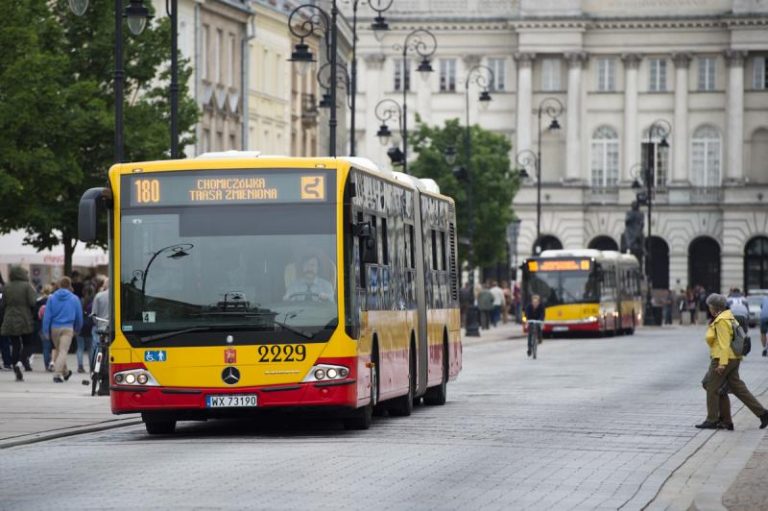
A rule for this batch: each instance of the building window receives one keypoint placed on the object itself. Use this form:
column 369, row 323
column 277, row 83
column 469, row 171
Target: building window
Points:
column 232, row 142
column 659, row 159
column 217, row 73
column 206, row 44
column 605, row 158
column 756, row 264
column 706, row 73
column 499, row 68
column 550, row 74
column 705, row 157
column 658, row 75
column 399, row 74
column 759, row 73
column 447, row 75
column 606, row 75
column 231, row 60
column 206, row 140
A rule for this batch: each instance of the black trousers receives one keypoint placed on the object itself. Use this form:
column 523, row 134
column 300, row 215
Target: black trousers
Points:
column 18, row 343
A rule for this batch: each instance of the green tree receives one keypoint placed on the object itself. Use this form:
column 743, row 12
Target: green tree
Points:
column 57, row 111
column 493, row 183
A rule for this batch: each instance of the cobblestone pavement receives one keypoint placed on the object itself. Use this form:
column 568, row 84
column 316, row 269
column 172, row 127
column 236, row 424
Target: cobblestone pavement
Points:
column 750, row 490
column 591, row 424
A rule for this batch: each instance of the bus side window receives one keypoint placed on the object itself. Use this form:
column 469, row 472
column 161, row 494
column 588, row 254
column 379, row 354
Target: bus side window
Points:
column 384, row 243
column 360, row 264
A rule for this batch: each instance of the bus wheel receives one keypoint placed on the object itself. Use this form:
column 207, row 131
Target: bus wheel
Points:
column 403, row 405
column 438, row 395
column 158, row 425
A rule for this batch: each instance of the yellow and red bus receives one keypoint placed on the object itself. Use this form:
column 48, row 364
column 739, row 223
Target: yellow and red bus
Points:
column 242, row 281
column 585, row 290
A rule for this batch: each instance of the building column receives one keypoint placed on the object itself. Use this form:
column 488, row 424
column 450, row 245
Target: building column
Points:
column 524, row 99
column 680, row 125
column 734, row 172
column 374, row 63
column 631, row 139
column 572, row 119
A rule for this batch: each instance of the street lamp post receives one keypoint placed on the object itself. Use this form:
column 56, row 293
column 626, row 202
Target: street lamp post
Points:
column 553, row 108
column 386, row 110
column 659, row 129
column 314, row 18
column 379, row 25
column 137, row 16
column 324, row 80
column 424, row 44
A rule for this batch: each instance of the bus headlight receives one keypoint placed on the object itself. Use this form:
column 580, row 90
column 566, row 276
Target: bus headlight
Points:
column 326, row 372
column 135, row 377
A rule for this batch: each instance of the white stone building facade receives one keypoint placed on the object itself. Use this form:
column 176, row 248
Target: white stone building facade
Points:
column 617, row 66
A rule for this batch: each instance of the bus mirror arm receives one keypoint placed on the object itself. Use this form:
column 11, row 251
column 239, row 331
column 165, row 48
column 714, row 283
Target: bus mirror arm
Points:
column 92, row 203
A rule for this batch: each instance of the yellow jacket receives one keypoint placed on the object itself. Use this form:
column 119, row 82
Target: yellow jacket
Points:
column 719, row 336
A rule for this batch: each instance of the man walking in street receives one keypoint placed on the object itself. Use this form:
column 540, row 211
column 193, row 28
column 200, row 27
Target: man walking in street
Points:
column 62, row 320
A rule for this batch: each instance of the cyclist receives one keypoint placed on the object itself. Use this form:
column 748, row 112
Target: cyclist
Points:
column 534, row 311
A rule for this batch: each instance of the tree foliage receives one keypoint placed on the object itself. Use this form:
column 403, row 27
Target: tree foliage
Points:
column 491, row 181
column 57, row 111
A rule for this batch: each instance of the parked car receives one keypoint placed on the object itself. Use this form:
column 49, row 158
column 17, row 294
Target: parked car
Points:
column 753, row 304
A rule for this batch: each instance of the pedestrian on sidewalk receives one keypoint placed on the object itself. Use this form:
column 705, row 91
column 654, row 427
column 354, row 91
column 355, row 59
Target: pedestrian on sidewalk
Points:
column 62, row 320
column 100, row 316
column 18, row 325
column 466, row 300
column 38, row 311
column 724, row 369
column 485, row 304
column 764, row 324
column 498, row 303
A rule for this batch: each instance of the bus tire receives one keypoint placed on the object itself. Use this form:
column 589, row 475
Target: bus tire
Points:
column 158, row 425
column 360, row 419
column 403, row 406
column 438, row 395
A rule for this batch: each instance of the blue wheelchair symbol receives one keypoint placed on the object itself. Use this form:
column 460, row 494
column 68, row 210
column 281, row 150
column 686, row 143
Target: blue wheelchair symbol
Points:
column 154, row 356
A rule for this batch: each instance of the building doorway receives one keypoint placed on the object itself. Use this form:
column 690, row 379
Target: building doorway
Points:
column 603, row 243
column 704, row 264
column 547, row 242
column 657, row 266
column 756, row 264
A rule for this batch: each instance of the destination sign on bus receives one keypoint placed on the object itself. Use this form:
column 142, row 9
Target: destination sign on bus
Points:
column 559, row 265
column 225, row 187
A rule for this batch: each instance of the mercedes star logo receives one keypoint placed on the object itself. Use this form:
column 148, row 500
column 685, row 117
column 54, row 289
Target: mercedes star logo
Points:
column 230, row 375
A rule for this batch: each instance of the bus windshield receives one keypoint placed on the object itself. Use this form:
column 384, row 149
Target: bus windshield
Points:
column 563, row 287
column 257, row 267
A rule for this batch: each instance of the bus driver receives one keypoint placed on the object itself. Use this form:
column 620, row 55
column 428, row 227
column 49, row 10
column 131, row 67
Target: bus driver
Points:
column 310, row 287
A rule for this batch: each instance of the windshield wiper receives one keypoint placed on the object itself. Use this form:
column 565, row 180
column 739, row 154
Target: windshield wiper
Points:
column 266, row 315
column 173, row 333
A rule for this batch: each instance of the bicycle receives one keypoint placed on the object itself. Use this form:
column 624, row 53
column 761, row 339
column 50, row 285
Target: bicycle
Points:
column 99, row 372
column 534, row 330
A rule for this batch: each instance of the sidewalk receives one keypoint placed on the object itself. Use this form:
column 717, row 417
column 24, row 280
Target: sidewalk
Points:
column 502, row 332
column 38, row 409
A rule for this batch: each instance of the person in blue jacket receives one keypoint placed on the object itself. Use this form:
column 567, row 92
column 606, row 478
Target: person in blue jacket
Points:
column 62, row 320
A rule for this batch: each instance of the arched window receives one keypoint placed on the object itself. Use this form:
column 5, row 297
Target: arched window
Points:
column 605, row 158
column 705, row 157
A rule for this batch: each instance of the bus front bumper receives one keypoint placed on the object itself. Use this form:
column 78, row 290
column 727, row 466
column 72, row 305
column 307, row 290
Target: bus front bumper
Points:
column 323, row 394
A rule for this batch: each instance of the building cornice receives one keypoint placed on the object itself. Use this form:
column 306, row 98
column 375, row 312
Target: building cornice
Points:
column 582, row 23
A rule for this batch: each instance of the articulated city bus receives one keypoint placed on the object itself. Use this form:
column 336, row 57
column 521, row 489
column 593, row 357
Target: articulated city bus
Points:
column 243, row 281
column 585, row 290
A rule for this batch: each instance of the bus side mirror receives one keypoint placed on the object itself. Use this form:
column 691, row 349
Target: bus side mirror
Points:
column 92, row 204
column 367, row 235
